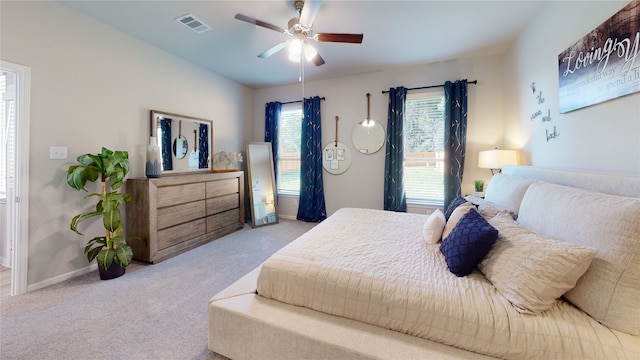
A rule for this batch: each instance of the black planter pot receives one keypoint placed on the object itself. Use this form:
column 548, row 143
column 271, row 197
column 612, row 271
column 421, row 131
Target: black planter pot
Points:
column 114, row 271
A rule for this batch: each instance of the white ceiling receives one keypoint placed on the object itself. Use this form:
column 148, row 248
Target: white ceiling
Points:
column 396, row 33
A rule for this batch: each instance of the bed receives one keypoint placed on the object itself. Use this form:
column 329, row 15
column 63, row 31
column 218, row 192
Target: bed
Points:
column 365, row 284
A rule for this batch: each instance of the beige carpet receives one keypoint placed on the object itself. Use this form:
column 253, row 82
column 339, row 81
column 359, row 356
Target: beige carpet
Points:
column 152, row 312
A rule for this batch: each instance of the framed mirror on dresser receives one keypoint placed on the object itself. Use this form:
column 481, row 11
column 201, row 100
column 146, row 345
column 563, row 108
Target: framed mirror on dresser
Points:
column 189, row 205
column 185, row 142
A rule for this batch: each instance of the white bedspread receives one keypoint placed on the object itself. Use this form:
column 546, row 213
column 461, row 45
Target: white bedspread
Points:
column 374, row 266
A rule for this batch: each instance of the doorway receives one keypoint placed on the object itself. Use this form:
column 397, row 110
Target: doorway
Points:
column 15, row 82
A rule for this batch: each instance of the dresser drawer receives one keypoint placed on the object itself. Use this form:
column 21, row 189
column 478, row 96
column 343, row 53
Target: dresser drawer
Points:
column 178, row 194
column 178, row 214
column 222, row 187
column 222, row 203
column 177, row 234
column 215, row 222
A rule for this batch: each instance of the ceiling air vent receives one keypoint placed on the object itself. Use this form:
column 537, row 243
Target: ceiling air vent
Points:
column 193, row 23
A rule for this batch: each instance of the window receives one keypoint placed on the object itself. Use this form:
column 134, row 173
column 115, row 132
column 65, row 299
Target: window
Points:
column 424, row 148
column 289, row 136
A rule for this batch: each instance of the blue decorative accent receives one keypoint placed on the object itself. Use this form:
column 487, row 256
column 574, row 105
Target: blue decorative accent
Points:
column 453, row 205
column 272, row 112
column 203, row 146
column 167, row 154
column 455, row 138
column 394, row 194
column 468, row 243
column 311, row 206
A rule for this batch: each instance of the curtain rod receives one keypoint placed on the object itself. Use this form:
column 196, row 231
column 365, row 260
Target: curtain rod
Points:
column 297, row 101
column 431, row 86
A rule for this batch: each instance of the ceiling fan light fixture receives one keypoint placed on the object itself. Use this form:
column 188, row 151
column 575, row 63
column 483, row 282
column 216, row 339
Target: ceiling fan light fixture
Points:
column 300, row 29
column 294, row 58
column 295, row 50
column 309, row 52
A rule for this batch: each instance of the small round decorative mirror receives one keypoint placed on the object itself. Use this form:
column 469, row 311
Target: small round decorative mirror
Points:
column 368, row 136
column 368, row 139
column 180, row 144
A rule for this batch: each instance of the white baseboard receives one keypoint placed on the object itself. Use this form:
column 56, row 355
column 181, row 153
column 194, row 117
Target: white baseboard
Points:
column 63, row 277
column 5, row 262
column 287, row 217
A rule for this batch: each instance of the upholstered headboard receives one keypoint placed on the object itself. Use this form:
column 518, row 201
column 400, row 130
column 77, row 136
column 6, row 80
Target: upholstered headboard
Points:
column 614, row 184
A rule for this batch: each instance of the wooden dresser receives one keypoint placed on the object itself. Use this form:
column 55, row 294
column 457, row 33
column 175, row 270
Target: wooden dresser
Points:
column 177, row 213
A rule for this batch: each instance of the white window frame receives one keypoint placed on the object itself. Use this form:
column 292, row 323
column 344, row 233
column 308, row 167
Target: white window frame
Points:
column 439, row 156
column 287, row 108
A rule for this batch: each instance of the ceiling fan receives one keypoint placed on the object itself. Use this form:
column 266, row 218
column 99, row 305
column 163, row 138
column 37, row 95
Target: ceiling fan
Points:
column 300, row 28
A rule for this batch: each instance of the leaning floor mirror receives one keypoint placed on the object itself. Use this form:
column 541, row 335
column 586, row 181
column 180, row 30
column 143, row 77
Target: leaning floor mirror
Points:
column 262, row 185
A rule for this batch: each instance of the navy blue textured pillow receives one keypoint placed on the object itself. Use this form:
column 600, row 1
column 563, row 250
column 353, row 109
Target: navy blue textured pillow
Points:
column 453, row 205
column 468, row 243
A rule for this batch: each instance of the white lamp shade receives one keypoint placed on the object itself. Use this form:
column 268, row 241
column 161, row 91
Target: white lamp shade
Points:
column 496, row 159
column 309, row 52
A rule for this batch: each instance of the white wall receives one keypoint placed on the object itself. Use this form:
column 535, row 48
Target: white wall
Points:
column 603, row 137
column 93, row 86
column 362, row 185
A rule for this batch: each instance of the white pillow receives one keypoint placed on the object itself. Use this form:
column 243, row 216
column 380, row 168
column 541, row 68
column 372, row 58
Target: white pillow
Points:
column 507, row 191
column 433, row 227
column 456, row 215
column 531, row 270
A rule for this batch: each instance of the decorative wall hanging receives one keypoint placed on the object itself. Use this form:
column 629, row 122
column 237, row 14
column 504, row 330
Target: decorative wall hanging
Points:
column 543, row 116
column 604, row 64
column 336, row 156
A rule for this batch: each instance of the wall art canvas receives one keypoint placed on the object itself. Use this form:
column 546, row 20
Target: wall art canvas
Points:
column 604, row 64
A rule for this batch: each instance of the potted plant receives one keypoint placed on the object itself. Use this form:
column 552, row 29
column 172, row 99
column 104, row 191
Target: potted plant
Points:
column 111, row 250
column 479, row 186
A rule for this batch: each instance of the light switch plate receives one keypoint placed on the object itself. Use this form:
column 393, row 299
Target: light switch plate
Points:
column 58, row 152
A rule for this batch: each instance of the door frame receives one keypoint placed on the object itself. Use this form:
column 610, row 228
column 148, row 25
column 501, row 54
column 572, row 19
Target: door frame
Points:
column 18, row 199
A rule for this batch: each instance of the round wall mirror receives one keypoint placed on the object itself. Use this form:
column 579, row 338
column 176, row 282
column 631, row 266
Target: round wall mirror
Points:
column 180, row 144
column 180, row 147
column 368, row 138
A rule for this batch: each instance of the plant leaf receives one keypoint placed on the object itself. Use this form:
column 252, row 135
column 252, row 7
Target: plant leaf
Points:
column 111, row 218
column 81, row 217
column 105, row 257
column 124, row 254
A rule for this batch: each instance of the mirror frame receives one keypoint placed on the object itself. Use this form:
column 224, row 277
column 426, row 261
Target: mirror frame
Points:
column 363, row 139
column 252, row 173
column 156, row 115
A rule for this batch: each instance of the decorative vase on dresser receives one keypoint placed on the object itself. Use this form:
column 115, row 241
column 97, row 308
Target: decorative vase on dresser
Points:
column 177, row 213
column 153, row 165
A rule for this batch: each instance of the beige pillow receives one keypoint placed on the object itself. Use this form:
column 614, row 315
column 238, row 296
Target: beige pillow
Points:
column 610, row 289
column 433, row 227
column 531, row 270
column 456, row 215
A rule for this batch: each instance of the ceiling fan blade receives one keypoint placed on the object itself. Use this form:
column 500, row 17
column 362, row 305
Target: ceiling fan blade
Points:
column 309, row 12
column 253, row 21
column 318, row 60
column 274, row 49
column 344, row 38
